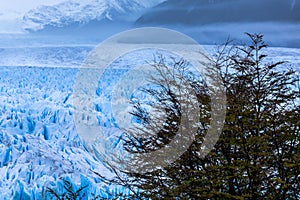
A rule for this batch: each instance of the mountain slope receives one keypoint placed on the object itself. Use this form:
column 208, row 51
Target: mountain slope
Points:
column 213, row 21
column 78, row 12
column 221, row 11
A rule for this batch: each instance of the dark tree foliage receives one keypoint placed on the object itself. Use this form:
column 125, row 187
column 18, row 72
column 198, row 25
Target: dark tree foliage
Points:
column 70, row 193
column 165, row 97
column 258, row 153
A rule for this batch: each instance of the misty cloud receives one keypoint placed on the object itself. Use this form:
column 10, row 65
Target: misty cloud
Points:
column 221, row 11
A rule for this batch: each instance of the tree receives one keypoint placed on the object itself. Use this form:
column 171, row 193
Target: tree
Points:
column 258, row 153
column 70, row 193
column 263, row 133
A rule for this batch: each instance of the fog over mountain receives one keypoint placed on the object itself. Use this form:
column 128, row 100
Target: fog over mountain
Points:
column 207, row 21
column 191, row 12
column 213, row 21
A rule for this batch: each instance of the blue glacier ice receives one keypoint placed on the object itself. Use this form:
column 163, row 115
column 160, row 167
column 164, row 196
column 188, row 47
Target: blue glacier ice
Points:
column 38, row 139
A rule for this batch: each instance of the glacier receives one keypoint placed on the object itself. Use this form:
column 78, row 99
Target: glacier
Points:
column 38, row 139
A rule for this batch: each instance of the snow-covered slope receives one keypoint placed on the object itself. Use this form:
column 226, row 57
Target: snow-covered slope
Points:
column 81, row 12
